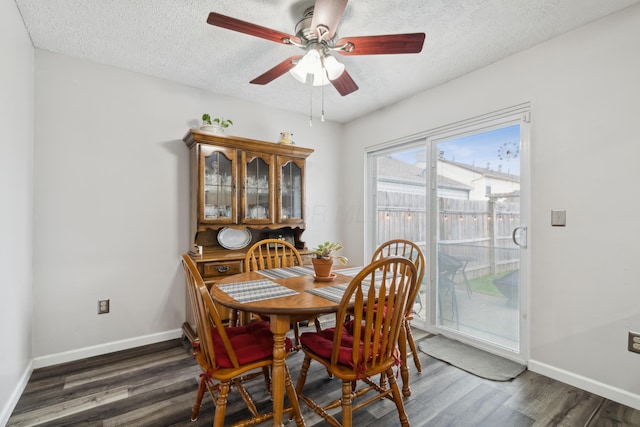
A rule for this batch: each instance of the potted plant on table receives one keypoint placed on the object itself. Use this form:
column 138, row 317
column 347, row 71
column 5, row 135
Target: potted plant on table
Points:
column 323, row 257
column 216, row 125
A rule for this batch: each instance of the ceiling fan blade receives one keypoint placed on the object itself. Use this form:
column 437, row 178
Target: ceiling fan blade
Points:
column 328, row 14
column 383, row 45
column 344, row 84
column 234, row 24
column 276, row 71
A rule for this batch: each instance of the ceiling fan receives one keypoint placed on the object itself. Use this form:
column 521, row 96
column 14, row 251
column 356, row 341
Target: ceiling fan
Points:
column 315, row 33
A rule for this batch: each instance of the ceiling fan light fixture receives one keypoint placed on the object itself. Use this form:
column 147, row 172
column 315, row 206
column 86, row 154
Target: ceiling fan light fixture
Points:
column 320, row 77
column 308, row 64
column 333, row 67
column 321, row 67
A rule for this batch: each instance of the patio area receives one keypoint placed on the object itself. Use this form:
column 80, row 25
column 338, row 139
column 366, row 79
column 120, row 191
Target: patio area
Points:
column 488, row 317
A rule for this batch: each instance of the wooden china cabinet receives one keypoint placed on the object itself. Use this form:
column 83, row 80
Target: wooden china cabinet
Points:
column 242, row 191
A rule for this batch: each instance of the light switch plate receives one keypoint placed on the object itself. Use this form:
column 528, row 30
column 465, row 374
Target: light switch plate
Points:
column 558, row 218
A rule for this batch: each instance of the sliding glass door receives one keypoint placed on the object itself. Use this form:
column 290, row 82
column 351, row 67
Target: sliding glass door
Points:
column 458, row 194
column 478, row 209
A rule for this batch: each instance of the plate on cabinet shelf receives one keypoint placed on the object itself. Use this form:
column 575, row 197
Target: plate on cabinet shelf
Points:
column 258, row 212
column 232, row 238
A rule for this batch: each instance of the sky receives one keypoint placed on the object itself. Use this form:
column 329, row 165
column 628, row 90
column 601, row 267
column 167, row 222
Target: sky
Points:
column 498, row 148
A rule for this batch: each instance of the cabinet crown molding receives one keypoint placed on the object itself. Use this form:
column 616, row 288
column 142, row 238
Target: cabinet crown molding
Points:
column 194, row 136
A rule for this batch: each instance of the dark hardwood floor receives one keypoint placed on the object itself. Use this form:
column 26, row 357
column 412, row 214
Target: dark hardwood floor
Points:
column 155, row 385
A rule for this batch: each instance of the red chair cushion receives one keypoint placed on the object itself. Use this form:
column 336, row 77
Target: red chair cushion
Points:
column 251, row 342
column 321, row 343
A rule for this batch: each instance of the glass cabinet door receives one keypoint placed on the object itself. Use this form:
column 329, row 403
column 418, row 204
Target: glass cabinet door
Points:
column 290, row 190
column 257, row 188
column 218, row 178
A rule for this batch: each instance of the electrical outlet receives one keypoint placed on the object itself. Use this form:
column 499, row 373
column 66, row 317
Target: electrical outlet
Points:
column 634, row 342
column 103, row 306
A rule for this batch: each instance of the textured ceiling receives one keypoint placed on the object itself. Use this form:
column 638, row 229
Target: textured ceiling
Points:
column 170, row 39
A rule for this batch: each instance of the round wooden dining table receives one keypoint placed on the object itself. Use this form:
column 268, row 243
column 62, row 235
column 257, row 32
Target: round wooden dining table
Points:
column 282, row 312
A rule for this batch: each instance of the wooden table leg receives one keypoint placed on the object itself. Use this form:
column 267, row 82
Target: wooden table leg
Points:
column 279, row 327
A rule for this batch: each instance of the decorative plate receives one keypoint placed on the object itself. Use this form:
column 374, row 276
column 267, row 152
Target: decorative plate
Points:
column 232, row 238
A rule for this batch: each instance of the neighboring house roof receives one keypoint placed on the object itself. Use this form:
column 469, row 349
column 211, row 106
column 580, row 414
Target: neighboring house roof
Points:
column 489, row 173
column 446, row 182
column 399, row 172
column 394, row 170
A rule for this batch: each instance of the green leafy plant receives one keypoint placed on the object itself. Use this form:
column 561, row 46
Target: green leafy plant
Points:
column 328, row 250
column 220, row 121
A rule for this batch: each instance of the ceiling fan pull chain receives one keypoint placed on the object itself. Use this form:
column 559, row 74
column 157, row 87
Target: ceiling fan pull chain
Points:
column 310, row 105
column 322, row 103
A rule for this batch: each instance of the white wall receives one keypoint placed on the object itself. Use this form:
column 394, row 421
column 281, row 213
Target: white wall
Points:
column 584, row 92
column 112, row 200
column 16, row 214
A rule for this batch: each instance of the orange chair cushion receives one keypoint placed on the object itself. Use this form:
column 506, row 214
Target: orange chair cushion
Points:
column 251, row 342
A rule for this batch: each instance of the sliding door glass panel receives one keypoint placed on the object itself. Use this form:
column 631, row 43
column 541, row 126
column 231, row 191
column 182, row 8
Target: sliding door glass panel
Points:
column 401, row 203
column 478, row 208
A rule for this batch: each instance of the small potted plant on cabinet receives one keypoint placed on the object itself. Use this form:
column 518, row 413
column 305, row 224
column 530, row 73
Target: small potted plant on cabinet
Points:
column 216, row 125
column 323, row 257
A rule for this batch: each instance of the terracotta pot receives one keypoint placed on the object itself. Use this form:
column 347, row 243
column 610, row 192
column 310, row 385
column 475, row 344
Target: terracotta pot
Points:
column 322, row 266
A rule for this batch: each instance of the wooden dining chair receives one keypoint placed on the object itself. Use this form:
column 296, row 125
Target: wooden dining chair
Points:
column 364, row 342
column 271, row 253
column 411, row 251
column 231, row 355
column 276, row 253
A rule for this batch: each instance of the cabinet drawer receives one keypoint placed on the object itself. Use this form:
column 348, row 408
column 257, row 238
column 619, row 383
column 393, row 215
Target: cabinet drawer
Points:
column 212, row 269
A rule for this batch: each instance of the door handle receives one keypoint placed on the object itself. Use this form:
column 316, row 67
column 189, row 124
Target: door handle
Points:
column 522, row 241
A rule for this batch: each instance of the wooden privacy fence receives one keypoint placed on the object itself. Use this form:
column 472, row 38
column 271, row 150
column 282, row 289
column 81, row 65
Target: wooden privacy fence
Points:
column 478, row 231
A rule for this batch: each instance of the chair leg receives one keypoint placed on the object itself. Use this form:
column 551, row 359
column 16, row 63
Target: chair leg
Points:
column 195, row 410
column 397, row 398
column 412, row 345
column 346, row 404
column 293, row 397
column 302, row 376
column 404, row 368
column 267, row 377
column 296, row 336
column 221, row 405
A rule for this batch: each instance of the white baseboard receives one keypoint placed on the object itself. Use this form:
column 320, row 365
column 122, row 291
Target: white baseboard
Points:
column 97, row 350
column 10, row 405
column 588, row 384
